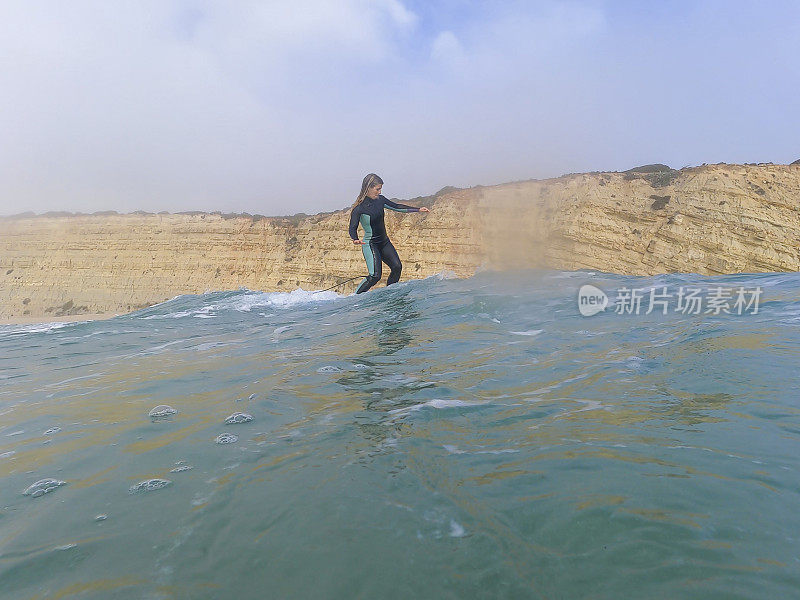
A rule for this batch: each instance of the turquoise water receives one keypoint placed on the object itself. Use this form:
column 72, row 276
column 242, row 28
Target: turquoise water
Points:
column 443, row 438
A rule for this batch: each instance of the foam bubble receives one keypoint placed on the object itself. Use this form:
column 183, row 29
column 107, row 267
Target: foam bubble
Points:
column 329, row 369
column 149, row 485
column 238, row 417
column 456, row 530
column 452, row 449
column 226, row 438
column 66, row 547
column 161, row 411
column 443, row 274
column 42, row 487
column 101, row 517
column 439, row 403
column 52, row 430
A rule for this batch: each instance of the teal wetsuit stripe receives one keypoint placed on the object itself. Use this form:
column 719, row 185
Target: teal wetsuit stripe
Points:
column 369, row 256
column 367, row 228
column 367, row 248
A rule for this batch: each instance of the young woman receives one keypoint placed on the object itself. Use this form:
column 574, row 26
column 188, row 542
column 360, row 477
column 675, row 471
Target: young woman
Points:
column 368, row 211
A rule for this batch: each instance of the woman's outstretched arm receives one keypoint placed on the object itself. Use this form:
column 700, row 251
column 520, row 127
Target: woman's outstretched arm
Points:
column 398, row 207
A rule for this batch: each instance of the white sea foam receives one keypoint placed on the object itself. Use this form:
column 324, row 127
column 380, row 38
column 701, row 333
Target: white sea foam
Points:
column 161, row 411
column 175, row 315
column 528, row 332
column 453, row 449
column 456, row 530
column 149, row 485
column 66, row 547
column 211, row 345
column 438, row 403
column 42, row 487
column 484, row 315
column 13, row 330
column 238, row 417
column 442, row 403
column 248, row 301
column 443, row 274
column 157, row 349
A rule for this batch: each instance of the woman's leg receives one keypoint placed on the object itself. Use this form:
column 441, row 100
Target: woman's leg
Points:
column 389, row 256
column 373, row 257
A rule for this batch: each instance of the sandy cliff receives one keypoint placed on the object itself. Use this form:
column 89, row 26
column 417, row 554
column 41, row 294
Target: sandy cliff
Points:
column 710, row 219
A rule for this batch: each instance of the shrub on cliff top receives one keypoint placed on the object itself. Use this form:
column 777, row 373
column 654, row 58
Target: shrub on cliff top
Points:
column 657, row 175
column 654, row 168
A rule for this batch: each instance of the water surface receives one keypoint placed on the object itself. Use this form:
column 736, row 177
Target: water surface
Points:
column 443, row 438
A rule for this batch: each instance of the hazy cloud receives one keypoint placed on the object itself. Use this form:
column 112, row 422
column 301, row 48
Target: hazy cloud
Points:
column 278, row 107
column 447, row 49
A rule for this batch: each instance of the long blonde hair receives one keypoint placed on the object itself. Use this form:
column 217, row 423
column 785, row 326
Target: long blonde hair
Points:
column 370, row 180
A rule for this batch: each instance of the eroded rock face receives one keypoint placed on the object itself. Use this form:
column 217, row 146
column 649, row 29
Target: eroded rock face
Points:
column 712, row 219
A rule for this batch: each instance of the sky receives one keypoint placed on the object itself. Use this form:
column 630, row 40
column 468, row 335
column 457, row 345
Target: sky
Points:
column 278, row 107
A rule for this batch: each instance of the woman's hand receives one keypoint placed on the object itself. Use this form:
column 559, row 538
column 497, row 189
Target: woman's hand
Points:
column 424, row 209
column 358, row 242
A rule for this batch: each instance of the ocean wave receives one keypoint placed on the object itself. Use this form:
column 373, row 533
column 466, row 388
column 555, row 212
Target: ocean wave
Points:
column 210, row 304
column 12, row 330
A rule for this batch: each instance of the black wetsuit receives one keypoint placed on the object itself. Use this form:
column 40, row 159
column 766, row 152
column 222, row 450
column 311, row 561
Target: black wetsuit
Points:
column 377, row 246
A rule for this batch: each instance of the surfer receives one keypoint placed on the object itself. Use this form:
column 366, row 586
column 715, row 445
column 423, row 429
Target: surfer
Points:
column 376, row 246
